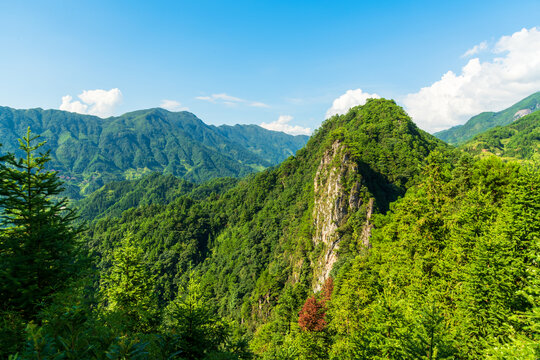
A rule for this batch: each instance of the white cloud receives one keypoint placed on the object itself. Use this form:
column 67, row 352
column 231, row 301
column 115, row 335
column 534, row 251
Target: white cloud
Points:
column 482, row 86
column 172, row 105
column 476, row 49
column 94, row 102
column 220, row 98
column 226, row 97
column 351, row 98
column 230, row 101
column 259, row 104
column 73, row 106
column 282, row 124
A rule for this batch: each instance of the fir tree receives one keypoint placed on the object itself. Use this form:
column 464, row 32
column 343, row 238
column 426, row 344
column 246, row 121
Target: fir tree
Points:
column 428, row 337
column 127, row 289
column 37, row 238
column 191, row 319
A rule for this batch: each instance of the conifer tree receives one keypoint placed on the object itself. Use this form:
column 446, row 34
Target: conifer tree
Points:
column 428, row 337
column 37, row 235
column 192, row 321
column 127, row 289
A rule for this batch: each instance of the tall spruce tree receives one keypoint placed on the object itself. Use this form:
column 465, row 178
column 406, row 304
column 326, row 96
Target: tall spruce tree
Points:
column 128, row 291
column 191, row 319
column 37, row 235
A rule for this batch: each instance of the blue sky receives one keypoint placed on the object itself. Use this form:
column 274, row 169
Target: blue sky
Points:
column 260, row 61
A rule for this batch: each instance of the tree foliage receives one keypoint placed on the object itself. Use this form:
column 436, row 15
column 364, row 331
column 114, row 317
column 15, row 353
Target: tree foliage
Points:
column 450, row 269
column 38, row 251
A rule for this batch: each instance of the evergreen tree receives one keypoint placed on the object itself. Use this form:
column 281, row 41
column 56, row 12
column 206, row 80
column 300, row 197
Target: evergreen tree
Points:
column 524, row 225
column 127, row 290
column 428, row 337
column 191, row 318
column 37, row 235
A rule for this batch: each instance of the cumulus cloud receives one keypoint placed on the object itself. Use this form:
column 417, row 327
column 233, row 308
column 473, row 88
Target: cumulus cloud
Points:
column 93, row 102
column 476, row 49
column 492, row 85
column 172, row 105
column 351, row 98
column 229, row 100
column 73, row 106
column 282, row 124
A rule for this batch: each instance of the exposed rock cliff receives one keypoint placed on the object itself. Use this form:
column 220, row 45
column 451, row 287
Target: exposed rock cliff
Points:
column 521, row 113
column 338, row 193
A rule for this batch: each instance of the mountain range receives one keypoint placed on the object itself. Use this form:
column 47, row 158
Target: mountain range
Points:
column 284, row 227
column 519, row 140
column 376, row 240
column 488, row 120
column 89, row 151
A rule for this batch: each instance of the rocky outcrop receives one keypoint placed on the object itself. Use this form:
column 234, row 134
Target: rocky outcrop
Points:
column 521, row 113
column 338, row 193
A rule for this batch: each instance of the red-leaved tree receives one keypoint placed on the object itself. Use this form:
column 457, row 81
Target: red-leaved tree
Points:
column 312, row 315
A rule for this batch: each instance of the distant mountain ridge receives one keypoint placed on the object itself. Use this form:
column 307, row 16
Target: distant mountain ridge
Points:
column 518, row 140
column 252, row 138
column 488, row 120
column 90, row 151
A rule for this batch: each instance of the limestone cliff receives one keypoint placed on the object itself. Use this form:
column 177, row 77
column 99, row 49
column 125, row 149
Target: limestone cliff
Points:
column 338, row 193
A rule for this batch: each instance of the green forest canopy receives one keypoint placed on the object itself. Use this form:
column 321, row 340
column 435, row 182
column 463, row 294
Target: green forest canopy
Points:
column 450, row 270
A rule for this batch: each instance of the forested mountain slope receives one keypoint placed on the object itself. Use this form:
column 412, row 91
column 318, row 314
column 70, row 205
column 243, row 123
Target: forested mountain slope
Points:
column 89, row 151
column 487, row 120
column 375, row 241
column 285, row 230
column 154, row 189
column 518, row 140
column 452, row 272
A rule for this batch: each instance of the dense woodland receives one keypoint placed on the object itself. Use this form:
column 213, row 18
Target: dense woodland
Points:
column 437, row 253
